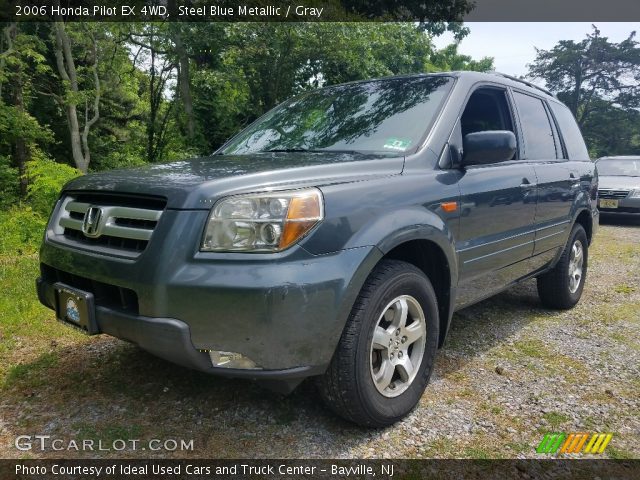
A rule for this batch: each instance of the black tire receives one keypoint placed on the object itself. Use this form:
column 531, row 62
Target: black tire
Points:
column 348, row 387
column 554, row 286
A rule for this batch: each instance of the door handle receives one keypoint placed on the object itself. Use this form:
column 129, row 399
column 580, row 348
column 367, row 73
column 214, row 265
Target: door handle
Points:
column 572, row 178
column 527, row 184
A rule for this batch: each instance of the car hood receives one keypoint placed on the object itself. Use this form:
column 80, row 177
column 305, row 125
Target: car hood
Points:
column 618, row 182
column 197, row 182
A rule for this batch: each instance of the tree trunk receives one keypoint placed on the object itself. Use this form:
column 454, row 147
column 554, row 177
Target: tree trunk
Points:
column 8, row 34
column 67, row 70
column 576, row 92
column 19, row 149
column 151, row 126
column 184, row 81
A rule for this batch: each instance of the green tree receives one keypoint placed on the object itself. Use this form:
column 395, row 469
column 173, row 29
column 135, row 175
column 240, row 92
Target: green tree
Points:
column 77, row 90
column 21, row 135
column 106, row 95
column 599, row 80
column 449, row 58
column 243, row 69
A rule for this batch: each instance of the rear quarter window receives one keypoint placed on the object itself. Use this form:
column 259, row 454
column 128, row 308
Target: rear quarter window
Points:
column 570, row 132
column 538, row 136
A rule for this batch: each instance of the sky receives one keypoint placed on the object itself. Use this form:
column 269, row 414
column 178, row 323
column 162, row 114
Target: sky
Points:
column 512, row 43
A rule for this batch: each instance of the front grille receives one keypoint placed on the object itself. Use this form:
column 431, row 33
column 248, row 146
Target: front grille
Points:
column 113, row 224
column 104, row 294
column 610, row 193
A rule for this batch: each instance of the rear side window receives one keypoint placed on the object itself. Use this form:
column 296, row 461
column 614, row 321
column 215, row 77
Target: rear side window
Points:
column 538, row 136
column 570, row 132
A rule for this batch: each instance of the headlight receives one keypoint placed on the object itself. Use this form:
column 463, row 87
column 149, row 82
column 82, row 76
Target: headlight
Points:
column 262, row 222
column 635, row 193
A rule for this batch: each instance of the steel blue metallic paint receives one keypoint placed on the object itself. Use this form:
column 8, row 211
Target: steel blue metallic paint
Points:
column 287, row 310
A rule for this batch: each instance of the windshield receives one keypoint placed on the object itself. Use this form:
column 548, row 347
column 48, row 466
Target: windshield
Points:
column 382, row 116
column 624, row 168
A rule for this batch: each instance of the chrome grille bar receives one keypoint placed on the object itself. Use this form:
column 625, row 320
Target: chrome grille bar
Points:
column 610, row 193
column 113, row 227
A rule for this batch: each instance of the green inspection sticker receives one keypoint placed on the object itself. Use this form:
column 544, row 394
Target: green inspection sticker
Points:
column 400, row 144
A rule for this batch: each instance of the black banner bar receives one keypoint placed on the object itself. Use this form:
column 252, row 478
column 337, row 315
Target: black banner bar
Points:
column 317, row 469
column 317, row 10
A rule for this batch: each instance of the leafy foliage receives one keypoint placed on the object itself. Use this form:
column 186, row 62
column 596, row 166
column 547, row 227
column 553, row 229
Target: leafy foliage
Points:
column 125, row 94
column 599, row 80
column 9, row 183
column 46, row 179
column 22, row 230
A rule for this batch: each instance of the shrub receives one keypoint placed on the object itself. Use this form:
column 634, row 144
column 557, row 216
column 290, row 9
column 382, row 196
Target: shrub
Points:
column 9, row 183
column 46, row 179
column 22, row 230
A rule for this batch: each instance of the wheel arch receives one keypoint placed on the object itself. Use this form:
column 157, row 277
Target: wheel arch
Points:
column 430, row 257
column 585, row 218
column 419, row 237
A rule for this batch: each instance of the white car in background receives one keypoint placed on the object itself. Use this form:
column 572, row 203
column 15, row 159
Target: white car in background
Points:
column 619, row 187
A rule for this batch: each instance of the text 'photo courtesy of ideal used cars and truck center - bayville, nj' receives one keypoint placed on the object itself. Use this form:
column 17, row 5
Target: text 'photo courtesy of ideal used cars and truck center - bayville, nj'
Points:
column 336, row 239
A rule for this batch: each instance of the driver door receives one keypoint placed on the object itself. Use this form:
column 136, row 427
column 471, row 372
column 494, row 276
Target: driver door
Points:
column 498, row 206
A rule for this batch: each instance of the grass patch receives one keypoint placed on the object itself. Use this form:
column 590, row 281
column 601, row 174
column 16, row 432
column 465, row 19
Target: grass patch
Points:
column 624, row 288
column 31, row 375
column 26, row 327
column 612, row 314
column 555, row 419
column 520, row 447
column 477, row 453
column 619, row 453
column 442, row 447
column 537, row 357
column 107, row 433
column 533, row 348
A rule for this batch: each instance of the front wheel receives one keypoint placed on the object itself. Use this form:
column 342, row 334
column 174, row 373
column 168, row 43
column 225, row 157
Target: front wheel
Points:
column 562, row 286
column 385, row 356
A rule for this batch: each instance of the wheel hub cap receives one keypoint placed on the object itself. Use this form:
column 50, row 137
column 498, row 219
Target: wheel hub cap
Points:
column 398, row 346
column 576, row 262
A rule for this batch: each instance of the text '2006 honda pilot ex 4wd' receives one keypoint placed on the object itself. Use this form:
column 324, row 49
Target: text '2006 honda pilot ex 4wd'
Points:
column 334, row 237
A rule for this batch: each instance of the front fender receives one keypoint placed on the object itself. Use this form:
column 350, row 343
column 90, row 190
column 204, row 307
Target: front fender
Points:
column 408, row 224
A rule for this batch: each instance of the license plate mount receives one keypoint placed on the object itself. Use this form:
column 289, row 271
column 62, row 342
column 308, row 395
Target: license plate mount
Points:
column 76, row 308
column 608, row 203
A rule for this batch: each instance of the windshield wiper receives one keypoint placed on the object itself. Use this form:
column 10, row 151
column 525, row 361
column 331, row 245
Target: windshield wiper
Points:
column 313, row 150
column 287, row 150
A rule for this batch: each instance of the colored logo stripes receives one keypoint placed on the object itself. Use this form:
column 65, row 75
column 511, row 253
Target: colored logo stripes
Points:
column 574, row 443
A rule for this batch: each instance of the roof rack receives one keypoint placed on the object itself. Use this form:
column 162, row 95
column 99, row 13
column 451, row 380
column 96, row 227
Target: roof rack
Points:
column 527, row 83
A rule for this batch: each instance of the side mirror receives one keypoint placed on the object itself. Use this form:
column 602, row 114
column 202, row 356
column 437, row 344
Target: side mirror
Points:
column 491, row 146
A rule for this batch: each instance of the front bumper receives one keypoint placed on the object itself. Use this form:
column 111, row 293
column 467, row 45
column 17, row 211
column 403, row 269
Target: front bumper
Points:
column 626, row 206
column 170, row 339
column 284, row 311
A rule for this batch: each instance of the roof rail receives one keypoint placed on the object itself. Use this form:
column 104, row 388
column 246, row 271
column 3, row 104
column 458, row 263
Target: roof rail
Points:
column 527, row 83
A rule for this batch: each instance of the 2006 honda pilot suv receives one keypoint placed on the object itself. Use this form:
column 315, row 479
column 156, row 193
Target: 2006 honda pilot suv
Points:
column 334, row 237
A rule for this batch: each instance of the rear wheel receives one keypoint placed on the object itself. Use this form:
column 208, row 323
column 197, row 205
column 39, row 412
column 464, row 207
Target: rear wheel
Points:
column 385, row 356
column 562, row 286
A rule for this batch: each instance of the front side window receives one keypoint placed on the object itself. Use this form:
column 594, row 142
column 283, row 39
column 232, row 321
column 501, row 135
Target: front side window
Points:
column 487, row 109
column 388, row 116
column 536, row 129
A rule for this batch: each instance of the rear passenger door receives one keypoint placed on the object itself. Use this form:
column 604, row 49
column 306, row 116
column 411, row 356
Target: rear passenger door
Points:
column 558, row 181
column 497, row 205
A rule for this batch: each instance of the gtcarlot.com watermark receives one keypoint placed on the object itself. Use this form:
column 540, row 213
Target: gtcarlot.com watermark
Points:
column 42, row 443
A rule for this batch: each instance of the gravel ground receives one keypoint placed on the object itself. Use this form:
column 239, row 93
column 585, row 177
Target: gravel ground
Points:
column 510, row 372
